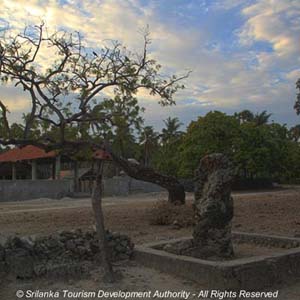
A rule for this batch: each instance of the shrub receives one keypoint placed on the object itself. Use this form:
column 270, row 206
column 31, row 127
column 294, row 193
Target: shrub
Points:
column 164, row 213
column 250, row 184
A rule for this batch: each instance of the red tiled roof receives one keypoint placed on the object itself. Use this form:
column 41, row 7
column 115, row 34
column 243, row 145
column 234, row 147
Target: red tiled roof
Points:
column 101, row 154
column 26, row 153
column 32, row 152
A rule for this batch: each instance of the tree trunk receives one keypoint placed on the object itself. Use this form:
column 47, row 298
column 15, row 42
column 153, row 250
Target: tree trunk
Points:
column 139, row 172
column 97, row 208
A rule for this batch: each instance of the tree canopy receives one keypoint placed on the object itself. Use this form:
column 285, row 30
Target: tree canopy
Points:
column 67, row 92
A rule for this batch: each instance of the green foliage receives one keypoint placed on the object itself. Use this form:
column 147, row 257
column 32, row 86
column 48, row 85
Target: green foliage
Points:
column 164, row 213
column 170, row 133
column 67, row 103
column 149, row 145
column 258, row 149
column 248, row 116
column 166, row 159
column 124, row 115
column 214, row 132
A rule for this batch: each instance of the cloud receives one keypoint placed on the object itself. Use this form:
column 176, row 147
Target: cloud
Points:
column 14, row 98
column 276, row 22
column 242, row 53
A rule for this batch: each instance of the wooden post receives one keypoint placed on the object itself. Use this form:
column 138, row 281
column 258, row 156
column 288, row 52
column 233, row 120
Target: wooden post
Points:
column 13, row 171
column 53, row 169
column 57, row 167
column 100, row 228
column 33, row 170
column 75, row 166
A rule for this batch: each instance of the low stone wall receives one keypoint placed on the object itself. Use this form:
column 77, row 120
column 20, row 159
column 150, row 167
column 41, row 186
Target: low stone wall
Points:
column 31, row 257
column 266, row 240
column 18, row 190
column 249, row 273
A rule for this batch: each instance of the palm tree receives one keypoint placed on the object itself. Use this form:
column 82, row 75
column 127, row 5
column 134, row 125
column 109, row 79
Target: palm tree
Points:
column 149, row 139
column 248, row 116
column 171, row 133
column 262, row 118
column 244, row 116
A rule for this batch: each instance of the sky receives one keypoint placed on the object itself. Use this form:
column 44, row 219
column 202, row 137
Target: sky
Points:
column 242, row 54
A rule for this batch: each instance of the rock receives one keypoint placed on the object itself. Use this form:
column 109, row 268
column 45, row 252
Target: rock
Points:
column 122, row 256
column 81, row 250
column 176, row 225
column 21, row 243
column 213, row 206
column 124, row 243
column 2, row 253
column 79, row 241
column 94, row 246
column 70, row 245
column 26, row 257
column 40, row 270
column 179, row 248
column 78, row 232
column 54, row 243
column 65, row 235
column 89, row 235
column 119, row 248
column 20, row 263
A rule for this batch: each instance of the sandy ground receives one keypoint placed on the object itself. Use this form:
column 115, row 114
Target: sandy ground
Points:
column 268, row 212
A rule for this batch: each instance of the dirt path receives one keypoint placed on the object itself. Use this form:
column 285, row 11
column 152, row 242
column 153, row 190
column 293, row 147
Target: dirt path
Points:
column 69, row 203
column 264, row 212
column 134, row 278
column 268, row 212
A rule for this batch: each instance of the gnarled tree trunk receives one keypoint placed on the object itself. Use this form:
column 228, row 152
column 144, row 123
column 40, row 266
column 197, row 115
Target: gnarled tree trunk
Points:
column 97, row 208
column 139, row 172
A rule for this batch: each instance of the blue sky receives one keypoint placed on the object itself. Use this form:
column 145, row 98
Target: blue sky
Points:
column 243, row 54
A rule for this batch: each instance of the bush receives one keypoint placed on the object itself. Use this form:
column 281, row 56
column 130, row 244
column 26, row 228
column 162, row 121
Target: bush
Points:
column 164, row 213
column 188, row 184
column 254, row 183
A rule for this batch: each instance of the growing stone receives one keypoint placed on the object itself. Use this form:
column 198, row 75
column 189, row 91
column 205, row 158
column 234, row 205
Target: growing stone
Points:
column 213, row 207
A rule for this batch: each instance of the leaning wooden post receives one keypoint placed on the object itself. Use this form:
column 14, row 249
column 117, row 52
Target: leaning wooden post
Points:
column 57, row 167
column 33, row 170
column 97, row 208
column 75, row 167
column 13, row 171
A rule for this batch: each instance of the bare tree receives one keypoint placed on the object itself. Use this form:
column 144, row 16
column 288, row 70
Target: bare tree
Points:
column 66, row 94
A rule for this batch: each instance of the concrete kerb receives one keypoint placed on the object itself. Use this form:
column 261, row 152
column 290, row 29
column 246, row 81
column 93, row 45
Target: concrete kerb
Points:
column 251, row 273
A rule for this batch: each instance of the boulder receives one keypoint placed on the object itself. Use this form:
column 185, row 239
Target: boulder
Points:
column 20, row 263
column 2, row 253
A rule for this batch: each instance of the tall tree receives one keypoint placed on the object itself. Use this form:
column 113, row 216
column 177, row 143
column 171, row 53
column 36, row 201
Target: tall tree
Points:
column 170, row 132
column 244, row 116
column 149, row 142
column 297, row 103
column 261, row 118
column 248, row 116
column 213, row 133
column 170, row 140
column 295, row 133
column 127, row 120
column 66, row 94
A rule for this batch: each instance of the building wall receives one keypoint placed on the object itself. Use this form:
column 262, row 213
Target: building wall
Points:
column 19, row 190
column 124, row 185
